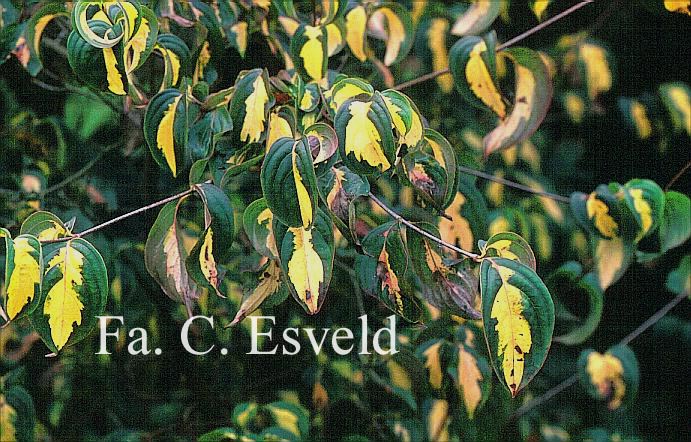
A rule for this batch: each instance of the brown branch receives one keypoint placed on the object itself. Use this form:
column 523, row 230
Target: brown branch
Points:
column 574, row 378
column 397, row 217
column 122, row 217
column 677, row 176
column 486, row 176
column 81, row 171
column 502, row 46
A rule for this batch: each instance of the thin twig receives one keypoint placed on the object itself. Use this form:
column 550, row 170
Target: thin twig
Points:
column 486, row 176
column 574, row 378
column 677, row 176
column 424, row 233
column 502, row 46
column 122, row 217
column 81, row 171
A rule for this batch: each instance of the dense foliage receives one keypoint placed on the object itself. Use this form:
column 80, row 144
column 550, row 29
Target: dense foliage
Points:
column 234, row 154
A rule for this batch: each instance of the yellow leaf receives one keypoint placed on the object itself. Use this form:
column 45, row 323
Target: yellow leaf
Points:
column 306, row 101
column 38, row 31
column 25, row 277
column 172, row 63
column 362, row 138
column 207, row 263
column 436, row 38
column 418, row 9
column 389, row 280
column 165, row 136
column 279, row 127
column 456, row 230
column 285, row 419
column 337, row 189
column 356, row 28
column 523, row 106
column 598, row 212
column 408, row 136
column 610, row 257
column 62, row 305
column 498, row 225
column 514, row 337
column 240, row 30
column 438, row 421
column 269, row 283
column 474, row 14
column 598, row 73
column 349, row 90
column 396, row 34
column 305, row 268
column 202, row 60
column 253, row 125
column 433, row 364
column 606, row 374
column 640, row 119
column 8, row 417
column 480, row 80
column 334, row 39
column 399, row 377
column 644, row 211
column 680, row 6
column 304, row 201
column 469, row 380
column 137, row 45
column 575, row 107
column 539, row 7
column 682, row 103
column 266, row 217
column 52, row 233
column 115, row 84
column 312, row 53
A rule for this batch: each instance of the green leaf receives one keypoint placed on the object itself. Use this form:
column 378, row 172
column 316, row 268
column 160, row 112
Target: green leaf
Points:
column 309, row 50
column 645, row 200
column 675, row 97
column 74, row 293
column 102, row 69
column 675, row 228
column 176, row 59
column 611, row 377
column 226, row 434
column 569, row 283
column 365, row 136
column 533, row 96
column 289, row 182
column 511, row 246
column 518, row 320
column 165, row 256
column 395, row 25
column 306, row 256
column 405, row 117
column 270, row 291
column 21, row 291
column 214, row 245
column 382, row 271
column 290, row 417
column 679, row 280
column 345, row 89
column 17, row 414
column 44, row 226
column 452, row 291
column 339, row 188
column 249, row 106
column 166, row 129
column 472, row 61
column 257, row 221
column 87, row 117
column 34, row 31
column 477, row 18
column 470, row 370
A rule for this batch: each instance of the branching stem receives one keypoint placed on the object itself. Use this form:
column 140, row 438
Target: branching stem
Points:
column 574, row 378
column 397, row 217
column 502, row 46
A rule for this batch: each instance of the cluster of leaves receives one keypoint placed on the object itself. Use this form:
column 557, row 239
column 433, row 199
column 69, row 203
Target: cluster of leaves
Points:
column 318, row 143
